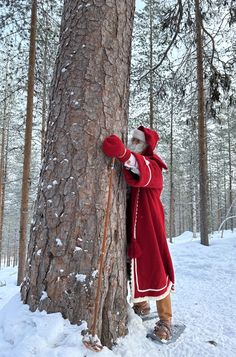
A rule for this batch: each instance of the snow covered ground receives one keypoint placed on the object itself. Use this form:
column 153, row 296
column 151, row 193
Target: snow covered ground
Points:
column 205, row 301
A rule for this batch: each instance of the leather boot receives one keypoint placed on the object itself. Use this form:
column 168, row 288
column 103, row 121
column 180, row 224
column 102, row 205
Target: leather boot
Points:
column 142, row 308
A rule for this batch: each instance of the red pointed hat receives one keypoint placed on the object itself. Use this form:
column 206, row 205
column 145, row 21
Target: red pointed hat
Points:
column 151, row 138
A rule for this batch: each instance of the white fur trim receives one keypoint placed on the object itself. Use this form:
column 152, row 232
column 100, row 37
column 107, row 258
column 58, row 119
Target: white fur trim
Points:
column 132, row 164
column 132, row 260
column 139, row 134
column 154, row 298
column 132, row 280
column 120, row 157
column 150, row 173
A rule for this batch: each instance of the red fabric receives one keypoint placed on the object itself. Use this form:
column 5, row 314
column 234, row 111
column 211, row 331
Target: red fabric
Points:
column 152, row 269
column 151, row 138
column 113, row 147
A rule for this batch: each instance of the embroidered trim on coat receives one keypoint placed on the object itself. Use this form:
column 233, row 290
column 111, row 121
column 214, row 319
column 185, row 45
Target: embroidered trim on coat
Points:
column 134, row 234
column 154, row 298
column 136, row 214
column 150, row 173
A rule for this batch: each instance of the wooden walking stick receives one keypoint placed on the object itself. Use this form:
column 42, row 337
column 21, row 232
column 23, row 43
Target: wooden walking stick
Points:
column 91, row 341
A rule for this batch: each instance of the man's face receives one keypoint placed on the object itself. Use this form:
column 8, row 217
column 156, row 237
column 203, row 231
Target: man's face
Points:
column 137, row 145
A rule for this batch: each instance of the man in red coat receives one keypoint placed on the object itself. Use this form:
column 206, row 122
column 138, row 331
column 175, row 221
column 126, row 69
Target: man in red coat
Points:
column 152, row 274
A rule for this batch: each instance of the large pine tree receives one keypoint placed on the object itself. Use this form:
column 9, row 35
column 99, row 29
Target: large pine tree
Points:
column 89, row 100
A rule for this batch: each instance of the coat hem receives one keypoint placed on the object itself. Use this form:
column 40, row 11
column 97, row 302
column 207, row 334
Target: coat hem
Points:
column 156, row 298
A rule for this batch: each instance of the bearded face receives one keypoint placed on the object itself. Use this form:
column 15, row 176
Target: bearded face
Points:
column 137, row 146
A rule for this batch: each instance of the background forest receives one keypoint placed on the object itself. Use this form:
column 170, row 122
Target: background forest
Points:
column 163, row 95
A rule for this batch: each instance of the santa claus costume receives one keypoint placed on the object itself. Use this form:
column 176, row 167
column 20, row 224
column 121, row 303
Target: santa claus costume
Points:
column 152, row 273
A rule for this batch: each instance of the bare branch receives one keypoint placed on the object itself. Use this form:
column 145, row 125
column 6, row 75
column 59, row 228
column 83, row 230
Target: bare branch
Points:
column 180, row 15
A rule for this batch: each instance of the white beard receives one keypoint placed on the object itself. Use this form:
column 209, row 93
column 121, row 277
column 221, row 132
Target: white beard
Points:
column 138, row 148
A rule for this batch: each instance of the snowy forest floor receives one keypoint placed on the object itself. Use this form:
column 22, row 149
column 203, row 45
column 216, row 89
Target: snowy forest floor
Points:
column 205, row 301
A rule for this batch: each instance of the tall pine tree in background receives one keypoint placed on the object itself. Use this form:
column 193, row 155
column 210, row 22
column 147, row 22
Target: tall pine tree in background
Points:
column 27, row 146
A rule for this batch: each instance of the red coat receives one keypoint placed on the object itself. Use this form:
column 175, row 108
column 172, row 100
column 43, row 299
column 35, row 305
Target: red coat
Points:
column 152, row 272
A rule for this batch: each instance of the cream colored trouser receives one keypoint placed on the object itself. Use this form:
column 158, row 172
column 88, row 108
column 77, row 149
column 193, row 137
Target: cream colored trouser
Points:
column 164, row 308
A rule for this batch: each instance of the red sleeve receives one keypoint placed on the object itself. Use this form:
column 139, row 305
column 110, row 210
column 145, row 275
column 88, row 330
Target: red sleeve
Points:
column 150, row 173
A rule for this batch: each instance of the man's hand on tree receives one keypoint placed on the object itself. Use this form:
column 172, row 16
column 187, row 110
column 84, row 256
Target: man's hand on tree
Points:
column 113, row 147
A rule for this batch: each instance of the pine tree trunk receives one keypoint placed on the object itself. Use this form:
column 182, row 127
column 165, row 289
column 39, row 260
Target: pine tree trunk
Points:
column 183, row 215
column 44, row 91
column 180, row 210
column 225, row 193
column 4, row 259
column 151, row 110
column 27, row 149
column 2, row 175
column 15, row 250
column 89, row 100
column 171, row 218
column 230, row 177
column 201, row 132
column 211, row 206
column 3, row 162
column 194, row 210
column 8, row 248
column 219, row 193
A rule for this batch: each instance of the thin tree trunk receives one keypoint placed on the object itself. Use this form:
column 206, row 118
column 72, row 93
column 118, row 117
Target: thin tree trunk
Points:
column 2, row 162
column 44, row 94
column 4, row 259
column 8, row 248
column 89, row 100
column 225, row 192
column 179, row 211
column 211, row 208
column 219, row 194
column 230, row 175
column 183, row 215
column 194, row 211
column 151, row 112
column 27, row 149
column 201, row 132
column 15, row 250
column 2, row 175
column 171, row 219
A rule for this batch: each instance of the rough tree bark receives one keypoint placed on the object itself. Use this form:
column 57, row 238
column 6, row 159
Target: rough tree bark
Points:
column 89, row 100
column 27, row 148
column 201, row 132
